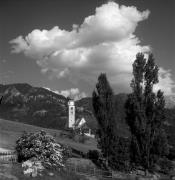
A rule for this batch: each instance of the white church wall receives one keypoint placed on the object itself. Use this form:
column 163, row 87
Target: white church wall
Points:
column 71, row 119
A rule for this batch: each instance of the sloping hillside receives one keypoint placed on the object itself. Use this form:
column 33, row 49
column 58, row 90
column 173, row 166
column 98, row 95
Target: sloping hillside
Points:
column 41, row 107
column 37, row 106
column 10, row 131
column 33, row 105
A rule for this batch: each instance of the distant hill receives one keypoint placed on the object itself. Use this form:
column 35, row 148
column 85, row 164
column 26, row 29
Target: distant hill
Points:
column 42, row 107
column 38, row 106
column 33, row 105
column 123, row 129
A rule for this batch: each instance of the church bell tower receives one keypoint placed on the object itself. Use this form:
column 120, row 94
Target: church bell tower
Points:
column 71, row 119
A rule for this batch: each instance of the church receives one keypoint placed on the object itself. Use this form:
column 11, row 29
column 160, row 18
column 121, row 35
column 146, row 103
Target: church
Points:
column 79, row 123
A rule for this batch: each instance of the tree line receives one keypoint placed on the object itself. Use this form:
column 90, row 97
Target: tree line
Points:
column 145, row 115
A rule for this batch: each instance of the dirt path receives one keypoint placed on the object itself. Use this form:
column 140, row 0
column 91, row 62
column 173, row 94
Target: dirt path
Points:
column 6, row 172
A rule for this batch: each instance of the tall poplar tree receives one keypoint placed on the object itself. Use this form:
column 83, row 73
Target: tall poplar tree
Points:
column 103, row 105
column 145, row 114
column 1, row 99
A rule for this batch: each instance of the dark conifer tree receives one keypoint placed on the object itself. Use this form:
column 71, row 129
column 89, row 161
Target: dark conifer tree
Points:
column 1, row 99
column 145, row 114
column 103, row 105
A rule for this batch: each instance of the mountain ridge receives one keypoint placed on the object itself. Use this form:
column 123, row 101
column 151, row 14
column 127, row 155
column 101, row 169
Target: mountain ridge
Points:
column 22, row 101
column 42, row 107
column 26, row 89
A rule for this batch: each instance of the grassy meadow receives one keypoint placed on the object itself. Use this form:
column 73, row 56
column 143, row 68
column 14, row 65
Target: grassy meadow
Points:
column 10, row 131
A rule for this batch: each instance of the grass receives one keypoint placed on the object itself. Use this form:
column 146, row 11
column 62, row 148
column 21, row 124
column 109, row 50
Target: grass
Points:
column 10, row 171
column 10, row 131
column 14, row 171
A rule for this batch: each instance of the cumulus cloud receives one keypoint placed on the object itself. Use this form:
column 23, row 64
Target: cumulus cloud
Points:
column 54, row 91
column 110, row 23
column 73, row 93
column 166, row 84
column 104, row 42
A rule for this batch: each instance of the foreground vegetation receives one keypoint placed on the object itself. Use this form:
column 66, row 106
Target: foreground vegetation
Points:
column 146, row 150
column 147, row 147
column 12, row 171
column 10, row 131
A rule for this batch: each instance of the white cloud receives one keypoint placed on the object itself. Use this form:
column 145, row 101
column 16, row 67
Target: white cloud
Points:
column 111, row 22
column 166, row 84
column 54, row 91
column 73, row 93
column 104, row 42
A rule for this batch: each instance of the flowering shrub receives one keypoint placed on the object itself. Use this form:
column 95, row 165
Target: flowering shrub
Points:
column 32, row 168
column 42, row 147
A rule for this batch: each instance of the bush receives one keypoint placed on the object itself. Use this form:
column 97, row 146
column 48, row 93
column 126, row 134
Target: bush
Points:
column 97, row 158
column 122, row 158
column 171, row 154
column 67, row 153
column 32, row 168
column 165, row 165
column 42, row 147
column 93, row 154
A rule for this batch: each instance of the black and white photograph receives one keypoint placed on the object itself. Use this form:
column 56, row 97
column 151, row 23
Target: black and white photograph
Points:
column 87, row 89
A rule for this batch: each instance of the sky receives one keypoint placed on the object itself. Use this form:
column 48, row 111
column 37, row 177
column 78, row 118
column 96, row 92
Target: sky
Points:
column 64, row 45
